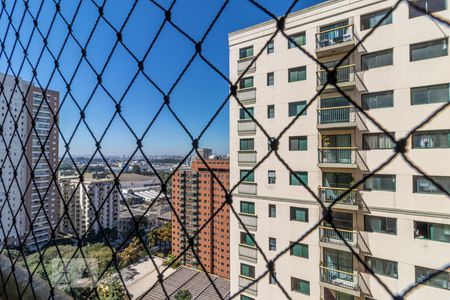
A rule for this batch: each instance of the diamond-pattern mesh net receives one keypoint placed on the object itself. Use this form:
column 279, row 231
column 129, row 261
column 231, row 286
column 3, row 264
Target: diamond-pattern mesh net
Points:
column 34, row 34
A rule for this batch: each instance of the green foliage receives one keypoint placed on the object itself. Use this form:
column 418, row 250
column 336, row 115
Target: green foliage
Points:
column 183, row 295
column 131, row 254
column 170, row 258
column 160, row 235
column 111, row 289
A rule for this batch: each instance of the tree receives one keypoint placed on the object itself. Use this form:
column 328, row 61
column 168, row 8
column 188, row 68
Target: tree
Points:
column 160, row 236
column 111, row 289
column 131, row 254
column 183, row 295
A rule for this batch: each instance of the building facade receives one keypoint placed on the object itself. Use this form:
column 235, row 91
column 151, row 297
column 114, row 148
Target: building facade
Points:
column 84, row 198
column 397, row 221
column 196, row 196
column 29, row 156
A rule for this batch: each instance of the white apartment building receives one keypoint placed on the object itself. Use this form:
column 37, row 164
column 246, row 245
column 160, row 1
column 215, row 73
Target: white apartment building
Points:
column 398, row 222
column 82, row 197
column 33, row 150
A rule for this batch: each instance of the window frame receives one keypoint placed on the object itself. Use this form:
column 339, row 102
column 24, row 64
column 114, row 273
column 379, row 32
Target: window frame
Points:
column 270, row 109
column 293, row 179
column 272, row 244
column 296, row 104
column 393, row 177
column 381, row 218
column 298, row 139
column 249, row 178
column 246, row 56
column 431, row 282
column 302, row 250
column 428, row 87
column 364, row 66
column 269, row 177
column 242, row 85
column 294, row 209
column 378, row 135
column 428, row 235
column 370, row 260
column 434, row 190
column 430, row 133
column 251, row 271
column 248, row 143
column 270, row 47
column 250, row 207
column 294, row 44
column 299, row 281
column 299, row 69
column 366, row 98
column 243, row 115
column 270, row 79
column 419, row 13
column 387, row 21
column 427, row 45
column 272, row 213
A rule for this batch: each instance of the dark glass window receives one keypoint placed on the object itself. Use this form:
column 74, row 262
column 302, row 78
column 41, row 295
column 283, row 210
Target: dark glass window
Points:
column 378, row 100
column 370, row 20
column 380, row 224
column 377, row 59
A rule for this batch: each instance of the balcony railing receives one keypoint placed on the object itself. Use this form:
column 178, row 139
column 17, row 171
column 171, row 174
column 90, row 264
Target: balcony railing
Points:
column 244, row 281
column 335, row 36
column 248, row 252
column 246, row 126
column 250, row 221
column 339, row 278
column 330, row 194
column 247, row 157
column 336, row 115
column 247, row 94
column 337, row 155
column 330, row 236
column 344, row 74
column 243, row 63
column 247, row 188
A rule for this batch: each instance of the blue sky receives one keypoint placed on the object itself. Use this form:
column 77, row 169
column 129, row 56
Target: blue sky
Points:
column 196, row 97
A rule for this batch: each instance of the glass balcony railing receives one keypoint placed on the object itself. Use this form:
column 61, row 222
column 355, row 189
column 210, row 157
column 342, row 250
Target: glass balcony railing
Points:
column 336, row 115
column 244, row 282
column 244, row 63
column 330, row 236
column 247, row 94
column 339, row 278
column 337, row 155
column 248, row 252
column 335, row 36
column 247, row 157
column 250, row 221
column 246, row 126
column 344, row 74
column 247, row 188
column 330, row 194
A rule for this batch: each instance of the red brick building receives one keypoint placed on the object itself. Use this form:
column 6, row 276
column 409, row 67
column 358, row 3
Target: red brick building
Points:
column 196, row 195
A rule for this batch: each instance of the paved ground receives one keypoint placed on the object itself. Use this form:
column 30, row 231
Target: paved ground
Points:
column 141, row 276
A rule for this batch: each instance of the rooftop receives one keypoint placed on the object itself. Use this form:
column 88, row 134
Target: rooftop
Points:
column 196, row 282
column 135, row 177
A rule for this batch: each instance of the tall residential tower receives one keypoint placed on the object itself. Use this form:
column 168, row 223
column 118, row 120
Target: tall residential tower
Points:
column 397, row 221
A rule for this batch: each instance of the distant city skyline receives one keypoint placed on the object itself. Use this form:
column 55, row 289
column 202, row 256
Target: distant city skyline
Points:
column 195, row 99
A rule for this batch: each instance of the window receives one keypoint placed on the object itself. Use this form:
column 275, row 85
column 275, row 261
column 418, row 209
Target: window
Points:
column 380, row 224
column 428, row 50
column 383, row 267
column 376, row 59
column 243, row 115
column 298, row 143
column 294, row 178
column 432, row 231
column 272, row 244
column 298, row 214
column 272, row 278
column 373, row 141
column 270, row 47
column 271, row 177
column 270, row 79
column 430, row 6
column 297, row 74
column 343, row 296
column 378, row 100
column 246, row 52
column 243, row 297
column 295, row 40
column 370, row 20
column 270, row 111
column 300, row 250
column 380, row 183
column 246, row 144
column 250, row 177
column 422, row 185
column 301, row 286
column 247, row 239
column 295, row 108
column 246, row 83
column 272, row 211
column 430, row 94
column 247, row 271
column 247, row 207
column 431, row 139
column 441, row 280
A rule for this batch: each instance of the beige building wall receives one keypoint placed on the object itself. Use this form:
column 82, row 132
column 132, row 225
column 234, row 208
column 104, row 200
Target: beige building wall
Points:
column 403, row 205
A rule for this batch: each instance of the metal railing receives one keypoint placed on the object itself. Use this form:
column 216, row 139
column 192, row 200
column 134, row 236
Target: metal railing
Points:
column 331, row 194
column 335, row 36
column 343, row 74
column 337, row 155
column 336, row 115
column 339, row 278
column 244, row 63
column 330, row 236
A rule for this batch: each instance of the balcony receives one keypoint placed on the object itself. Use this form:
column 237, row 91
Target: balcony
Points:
column 340, row 280
column 247, row 157
column 336, row 117
column 329, row 237
column 248, row 253
column 250, row 221
column 337, row 157
column 246, row 127
column 245, row 281
column 335, row 40
column 242, row 65
column 345, row 78
column 247, row 188
column 247, row 95
column 329, row 194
